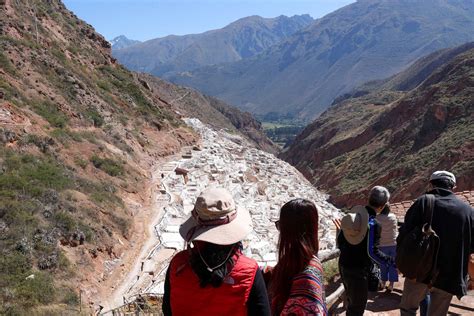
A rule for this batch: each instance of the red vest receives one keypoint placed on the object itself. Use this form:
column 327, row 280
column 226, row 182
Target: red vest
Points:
column 188, row 298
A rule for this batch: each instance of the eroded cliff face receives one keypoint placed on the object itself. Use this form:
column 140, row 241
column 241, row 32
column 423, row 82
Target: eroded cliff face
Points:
column 79, row 136
column 394, row 138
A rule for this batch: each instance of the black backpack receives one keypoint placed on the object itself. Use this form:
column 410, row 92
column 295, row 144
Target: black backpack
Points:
column 417, row 253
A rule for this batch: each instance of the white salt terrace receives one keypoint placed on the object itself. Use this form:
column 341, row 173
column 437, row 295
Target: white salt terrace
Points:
column 259, row 182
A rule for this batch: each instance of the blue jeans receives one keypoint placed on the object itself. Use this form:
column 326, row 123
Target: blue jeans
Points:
column 389, row 273
column 425, row 305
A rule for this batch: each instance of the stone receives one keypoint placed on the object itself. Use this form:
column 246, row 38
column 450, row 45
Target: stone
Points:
column 50, row 197
column 48, row 262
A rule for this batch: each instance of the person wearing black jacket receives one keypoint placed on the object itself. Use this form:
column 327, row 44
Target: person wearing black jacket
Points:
column 453, row 222
column 359, row 245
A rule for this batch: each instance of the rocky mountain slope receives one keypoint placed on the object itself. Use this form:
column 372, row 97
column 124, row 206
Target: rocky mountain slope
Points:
column 239, row 40
column 211, row 111
column 79, row 135
column 367, row 40
column 81, row 139
column 122, row 41
column 395, row 134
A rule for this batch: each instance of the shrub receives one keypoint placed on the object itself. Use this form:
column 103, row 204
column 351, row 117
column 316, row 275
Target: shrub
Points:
column 29, row 175
column 59, row 55
column 70, row 297
column 6, row 64
column 111, row 167
column 104, row 85
column 81, row 162
column 14, row 264
column 65, row 222
column 122, row 223
column 64, row 135
column 100, row 192
column 37, row 290
column 89, row 136
column 331, row 270
column 30, row 188
column 50, row 113
column 95, row 116
column 10, row 92
column 16, row 288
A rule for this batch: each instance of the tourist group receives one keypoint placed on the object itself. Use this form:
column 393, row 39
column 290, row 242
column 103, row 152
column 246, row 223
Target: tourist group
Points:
column 432, row 248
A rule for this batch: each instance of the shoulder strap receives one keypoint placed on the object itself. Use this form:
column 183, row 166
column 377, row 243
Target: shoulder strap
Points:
column 430, row 200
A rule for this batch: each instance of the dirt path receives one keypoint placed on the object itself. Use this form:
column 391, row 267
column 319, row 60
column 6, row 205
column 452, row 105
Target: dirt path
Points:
column 386, row 304
column 180, row 98
column 121, row 282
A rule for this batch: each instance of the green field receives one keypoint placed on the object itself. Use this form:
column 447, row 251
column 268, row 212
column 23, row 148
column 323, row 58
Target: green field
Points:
column 282, row 133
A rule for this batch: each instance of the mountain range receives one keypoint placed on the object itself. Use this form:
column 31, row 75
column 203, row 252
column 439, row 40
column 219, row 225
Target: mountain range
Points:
column 367, row 40
column 241, row 39
column 122, row 41
column 395, row 132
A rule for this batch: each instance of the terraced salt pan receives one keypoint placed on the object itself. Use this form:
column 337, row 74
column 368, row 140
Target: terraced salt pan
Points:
column 258, row 181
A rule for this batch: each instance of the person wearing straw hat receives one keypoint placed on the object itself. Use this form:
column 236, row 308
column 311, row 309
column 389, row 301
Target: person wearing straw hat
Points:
column 359, row 244
column 212, row 276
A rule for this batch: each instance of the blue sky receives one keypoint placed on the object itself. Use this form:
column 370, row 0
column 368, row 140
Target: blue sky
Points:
column 147, row 19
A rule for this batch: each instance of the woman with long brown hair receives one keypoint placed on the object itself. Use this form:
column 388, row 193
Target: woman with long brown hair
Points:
column 296, row 284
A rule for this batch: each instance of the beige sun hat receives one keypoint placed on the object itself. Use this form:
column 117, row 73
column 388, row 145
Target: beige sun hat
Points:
column 354, row 224
column 216, row 219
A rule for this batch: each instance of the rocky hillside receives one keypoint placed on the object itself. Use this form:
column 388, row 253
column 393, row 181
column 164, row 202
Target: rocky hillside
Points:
column 122, row 41
column 239, row 40
column 367, row 40
column 211, row 111
column 79, row 136
column 397, row 134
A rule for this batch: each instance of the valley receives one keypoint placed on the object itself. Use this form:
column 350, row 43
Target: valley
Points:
column 282, row 133
column 259, row 183
column 99, row 165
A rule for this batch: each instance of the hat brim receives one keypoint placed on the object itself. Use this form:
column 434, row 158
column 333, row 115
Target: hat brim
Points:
column 226, row 234
column 364, row 217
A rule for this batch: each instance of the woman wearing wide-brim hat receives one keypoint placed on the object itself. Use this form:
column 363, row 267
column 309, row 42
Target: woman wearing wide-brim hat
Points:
column 212, row 276
column 359, row 241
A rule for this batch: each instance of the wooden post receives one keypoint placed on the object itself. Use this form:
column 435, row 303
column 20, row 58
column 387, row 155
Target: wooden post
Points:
column 80, row 300
column 326, row 255
column 334, row 297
